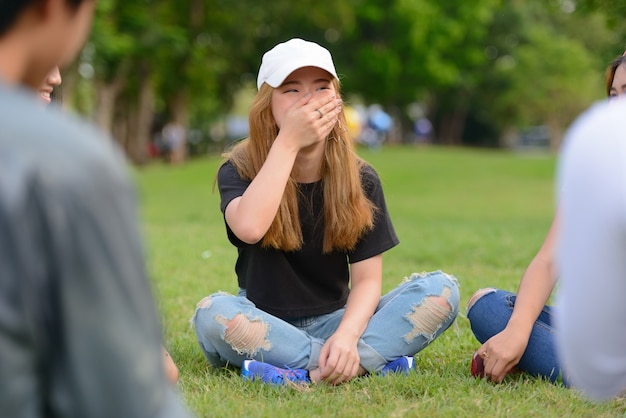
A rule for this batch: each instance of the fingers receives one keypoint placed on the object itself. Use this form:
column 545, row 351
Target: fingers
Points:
column 332, row 369
column 328, row 110
column 328, row 115
column 496, row 368
column 337, row 367
column 309, row 121
column 501, row 369
column 341, row 372
column 323, row 359
column 492, row 369
column 319, row 112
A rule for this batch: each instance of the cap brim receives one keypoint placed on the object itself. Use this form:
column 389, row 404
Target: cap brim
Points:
column 278, row 77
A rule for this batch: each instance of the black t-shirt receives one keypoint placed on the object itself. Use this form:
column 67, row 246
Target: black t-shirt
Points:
column 305, row 282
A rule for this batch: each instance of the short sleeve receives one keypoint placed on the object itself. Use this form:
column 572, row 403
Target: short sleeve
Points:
column 230, row 184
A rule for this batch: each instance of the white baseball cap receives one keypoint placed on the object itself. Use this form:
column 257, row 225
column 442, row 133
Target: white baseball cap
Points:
column 285, row 58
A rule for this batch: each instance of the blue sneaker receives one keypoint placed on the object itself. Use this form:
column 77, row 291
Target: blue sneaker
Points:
column 257, row 370
column 402, row 364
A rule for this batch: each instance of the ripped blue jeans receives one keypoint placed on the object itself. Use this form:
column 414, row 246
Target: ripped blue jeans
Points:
column 490, row 314
column 404, row 323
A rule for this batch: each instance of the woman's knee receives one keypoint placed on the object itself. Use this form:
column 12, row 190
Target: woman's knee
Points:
column 218, row 298
column 224, row 318
column 449, row 297
column 441, row 288
column 209, row 309
column 440, row 305
column 477, row 295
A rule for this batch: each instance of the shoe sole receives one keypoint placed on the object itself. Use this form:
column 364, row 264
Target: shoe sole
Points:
column 245, row 372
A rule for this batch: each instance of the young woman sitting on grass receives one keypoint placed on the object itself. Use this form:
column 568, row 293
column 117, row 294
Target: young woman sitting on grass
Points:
column 517, row 331
column 310, row 224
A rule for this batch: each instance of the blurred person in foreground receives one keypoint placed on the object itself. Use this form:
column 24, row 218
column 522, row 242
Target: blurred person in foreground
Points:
column 517, row 330
column 591, row 252
column 310, row 223
column 79, row 334
column 47, row 94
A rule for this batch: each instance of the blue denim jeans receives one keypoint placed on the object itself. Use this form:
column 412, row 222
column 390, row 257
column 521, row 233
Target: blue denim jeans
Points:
column 405, row 322
column 490, row 314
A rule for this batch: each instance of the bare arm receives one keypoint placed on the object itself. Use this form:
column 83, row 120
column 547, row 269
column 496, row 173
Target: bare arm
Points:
column 506, row 348
column 251, row 215
column 339, row 359
column 536, row 285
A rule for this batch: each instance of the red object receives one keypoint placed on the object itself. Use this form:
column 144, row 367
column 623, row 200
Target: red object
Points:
column 478, row 367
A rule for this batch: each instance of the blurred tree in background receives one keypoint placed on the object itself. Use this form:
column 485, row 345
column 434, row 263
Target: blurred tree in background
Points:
column 479, row 70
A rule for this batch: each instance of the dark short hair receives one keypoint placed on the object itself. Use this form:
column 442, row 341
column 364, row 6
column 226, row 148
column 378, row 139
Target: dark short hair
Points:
column 610, row 72
column 12, row 9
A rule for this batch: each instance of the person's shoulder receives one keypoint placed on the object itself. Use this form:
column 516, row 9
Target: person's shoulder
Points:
column 55, row 144
column 367, row 169
column 81, row 142
column 228, row 172
column 227, row 164
column 598, row 121
column 226, row 168
column 594, row 135
column 369, row 175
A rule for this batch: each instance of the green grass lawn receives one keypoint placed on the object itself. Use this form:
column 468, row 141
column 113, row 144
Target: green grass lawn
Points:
column 480, row 215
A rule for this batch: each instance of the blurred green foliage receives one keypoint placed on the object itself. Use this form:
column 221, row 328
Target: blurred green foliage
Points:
column 478, row 69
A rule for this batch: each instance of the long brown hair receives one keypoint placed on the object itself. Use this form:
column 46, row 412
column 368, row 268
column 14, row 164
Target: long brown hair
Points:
column 610, row 72
column 348, row 213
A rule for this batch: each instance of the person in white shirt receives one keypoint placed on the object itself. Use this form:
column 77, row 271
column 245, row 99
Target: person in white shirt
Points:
column 591, row 252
